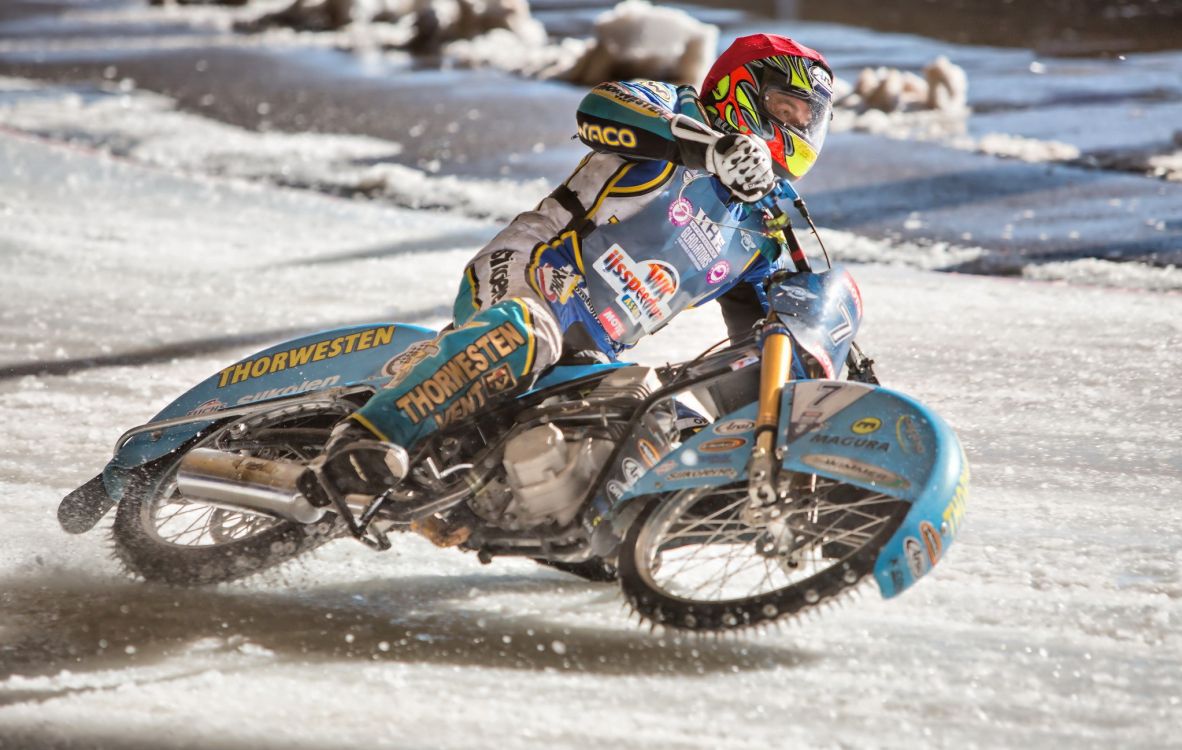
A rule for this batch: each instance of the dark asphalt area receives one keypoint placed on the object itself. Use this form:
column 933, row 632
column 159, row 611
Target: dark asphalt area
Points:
column 488, row 123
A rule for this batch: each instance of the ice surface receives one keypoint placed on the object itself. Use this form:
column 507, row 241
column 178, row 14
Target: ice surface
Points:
column 148, row 128
column 142, row 249
column 1054, row 621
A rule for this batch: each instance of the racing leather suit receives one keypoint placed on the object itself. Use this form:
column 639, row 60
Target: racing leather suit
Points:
column 637, row 233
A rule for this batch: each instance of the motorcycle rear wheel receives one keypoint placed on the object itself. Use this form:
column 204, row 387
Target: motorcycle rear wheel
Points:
column 163, row 536
column 690, row 562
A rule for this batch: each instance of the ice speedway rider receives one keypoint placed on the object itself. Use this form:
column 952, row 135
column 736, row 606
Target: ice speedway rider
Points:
column 575, row 277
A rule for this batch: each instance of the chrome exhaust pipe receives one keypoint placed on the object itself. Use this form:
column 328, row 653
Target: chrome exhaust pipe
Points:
column 247, row 483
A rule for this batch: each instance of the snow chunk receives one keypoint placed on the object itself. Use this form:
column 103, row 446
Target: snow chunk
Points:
column 639, row 40
column 943, row 87
column 633, row 40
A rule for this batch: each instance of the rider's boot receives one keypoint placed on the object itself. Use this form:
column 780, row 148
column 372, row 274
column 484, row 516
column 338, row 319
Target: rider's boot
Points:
column 355, row 462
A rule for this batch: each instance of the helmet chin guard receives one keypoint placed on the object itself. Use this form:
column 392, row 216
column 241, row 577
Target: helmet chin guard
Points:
column 775, row 89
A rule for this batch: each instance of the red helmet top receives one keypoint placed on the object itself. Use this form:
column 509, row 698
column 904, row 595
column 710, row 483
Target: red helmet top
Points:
column 776, row 89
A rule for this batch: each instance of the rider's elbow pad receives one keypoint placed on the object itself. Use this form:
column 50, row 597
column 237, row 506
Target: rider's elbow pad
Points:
column 602, row 125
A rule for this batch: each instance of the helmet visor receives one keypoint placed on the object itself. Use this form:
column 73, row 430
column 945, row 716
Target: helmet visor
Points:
column 805, row 115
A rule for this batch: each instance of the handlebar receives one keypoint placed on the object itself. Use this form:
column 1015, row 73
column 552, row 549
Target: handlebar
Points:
column 783, row 190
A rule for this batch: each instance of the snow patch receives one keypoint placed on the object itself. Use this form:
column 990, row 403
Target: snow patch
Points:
column 932, row 256
column 1018, row 147
column 944, row 86
column 1107, row 273
column 635, row 39
column 946, row 256
column 148, row 128
column 639, row 40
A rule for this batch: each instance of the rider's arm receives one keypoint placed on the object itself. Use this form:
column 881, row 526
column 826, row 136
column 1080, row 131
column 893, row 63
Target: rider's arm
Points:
column 746, row 302
column 639, row 120
column 742, row 308
column 653, row 120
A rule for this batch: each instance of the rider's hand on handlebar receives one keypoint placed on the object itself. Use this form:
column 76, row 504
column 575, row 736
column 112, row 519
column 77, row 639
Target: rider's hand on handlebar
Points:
column 743, row 165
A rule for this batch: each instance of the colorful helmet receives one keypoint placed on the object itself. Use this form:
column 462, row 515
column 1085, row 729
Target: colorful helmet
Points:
column 778, row 90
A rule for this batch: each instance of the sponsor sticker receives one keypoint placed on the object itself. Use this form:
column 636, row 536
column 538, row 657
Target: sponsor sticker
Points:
column 745, row 362
column 689, row 423
column 734, row 427
column 706, row 472
column 302, row 355
column 718, row 272
column 722, row 445
column 701, row 240
column 644, row 289
column 556, row 283
column 797, row 293
column 609, row 136
column 917, row 562
column 616, row 489
column 657, row 89
column 931, row 541
column 908, row 435
column 866, row 425
column 748, row 241
column 681, row 212
column 666, row 467
column 498, row 274
column 611, row 323
column 209, row 407
column 632, row 470
column 304, row 387
column 401, row 364
column 860, row 470
column 466, row 380
column 954, row 512
column 851, row 442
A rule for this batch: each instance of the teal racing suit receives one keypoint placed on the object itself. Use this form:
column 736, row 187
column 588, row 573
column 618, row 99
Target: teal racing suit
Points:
column 638, row 233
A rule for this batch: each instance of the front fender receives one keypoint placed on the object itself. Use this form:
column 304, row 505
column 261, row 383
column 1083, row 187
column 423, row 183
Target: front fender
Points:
column 860, row 434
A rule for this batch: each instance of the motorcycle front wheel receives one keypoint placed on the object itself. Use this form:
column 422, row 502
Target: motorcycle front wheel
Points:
column 161, row 535
column 691, row 561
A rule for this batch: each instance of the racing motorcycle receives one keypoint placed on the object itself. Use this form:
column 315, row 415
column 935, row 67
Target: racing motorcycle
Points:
column 744, row 486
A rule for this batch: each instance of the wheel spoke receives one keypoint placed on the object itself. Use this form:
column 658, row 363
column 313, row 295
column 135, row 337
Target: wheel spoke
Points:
column 697, row 549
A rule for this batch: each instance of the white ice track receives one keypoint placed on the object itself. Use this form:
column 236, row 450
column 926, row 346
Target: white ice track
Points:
column 1053, row 622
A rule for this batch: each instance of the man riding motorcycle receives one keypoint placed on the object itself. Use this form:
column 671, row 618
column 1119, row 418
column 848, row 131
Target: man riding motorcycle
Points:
column 635, row 235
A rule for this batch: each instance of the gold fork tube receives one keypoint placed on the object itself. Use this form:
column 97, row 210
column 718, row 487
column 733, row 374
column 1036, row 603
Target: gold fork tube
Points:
column 775, row 370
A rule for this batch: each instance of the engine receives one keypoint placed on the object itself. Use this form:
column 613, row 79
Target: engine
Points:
column 548, row 469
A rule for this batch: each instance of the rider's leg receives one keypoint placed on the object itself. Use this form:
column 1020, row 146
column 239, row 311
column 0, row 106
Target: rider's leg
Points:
column 504, row 332
column 452, row 377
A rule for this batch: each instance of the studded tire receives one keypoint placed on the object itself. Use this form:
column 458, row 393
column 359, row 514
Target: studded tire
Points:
column 836, row 529
column 220, row 545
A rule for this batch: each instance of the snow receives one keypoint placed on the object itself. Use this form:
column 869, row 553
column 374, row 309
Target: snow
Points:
column 142, row 248
column 147, row 128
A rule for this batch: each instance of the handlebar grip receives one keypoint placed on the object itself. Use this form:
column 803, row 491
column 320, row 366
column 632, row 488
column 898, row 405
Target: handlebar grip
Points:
column 783, row 189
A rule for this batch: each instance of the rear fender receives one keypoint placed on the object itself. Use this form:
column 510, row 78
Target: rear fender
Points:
column 850, row 432
column 356, row 356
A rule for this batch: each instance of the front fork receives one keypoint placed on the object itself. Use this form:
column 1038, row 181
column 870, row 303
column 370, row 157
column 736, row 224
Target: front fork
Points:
column 775, row 371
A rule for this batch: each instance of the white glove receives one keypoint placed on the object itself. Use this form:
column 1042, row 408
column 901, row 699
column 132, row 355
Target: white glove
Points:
column 743, row 164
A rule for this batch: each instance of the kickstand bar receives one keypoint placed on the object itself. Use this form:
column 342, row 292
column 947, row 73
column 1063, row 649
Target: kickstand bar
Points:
column 358, row 526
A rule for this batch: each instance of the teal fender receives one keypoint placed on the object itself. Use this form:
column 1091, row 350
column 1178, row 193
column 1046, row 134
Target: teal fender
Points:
column 358, row 355
column 850, row 432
